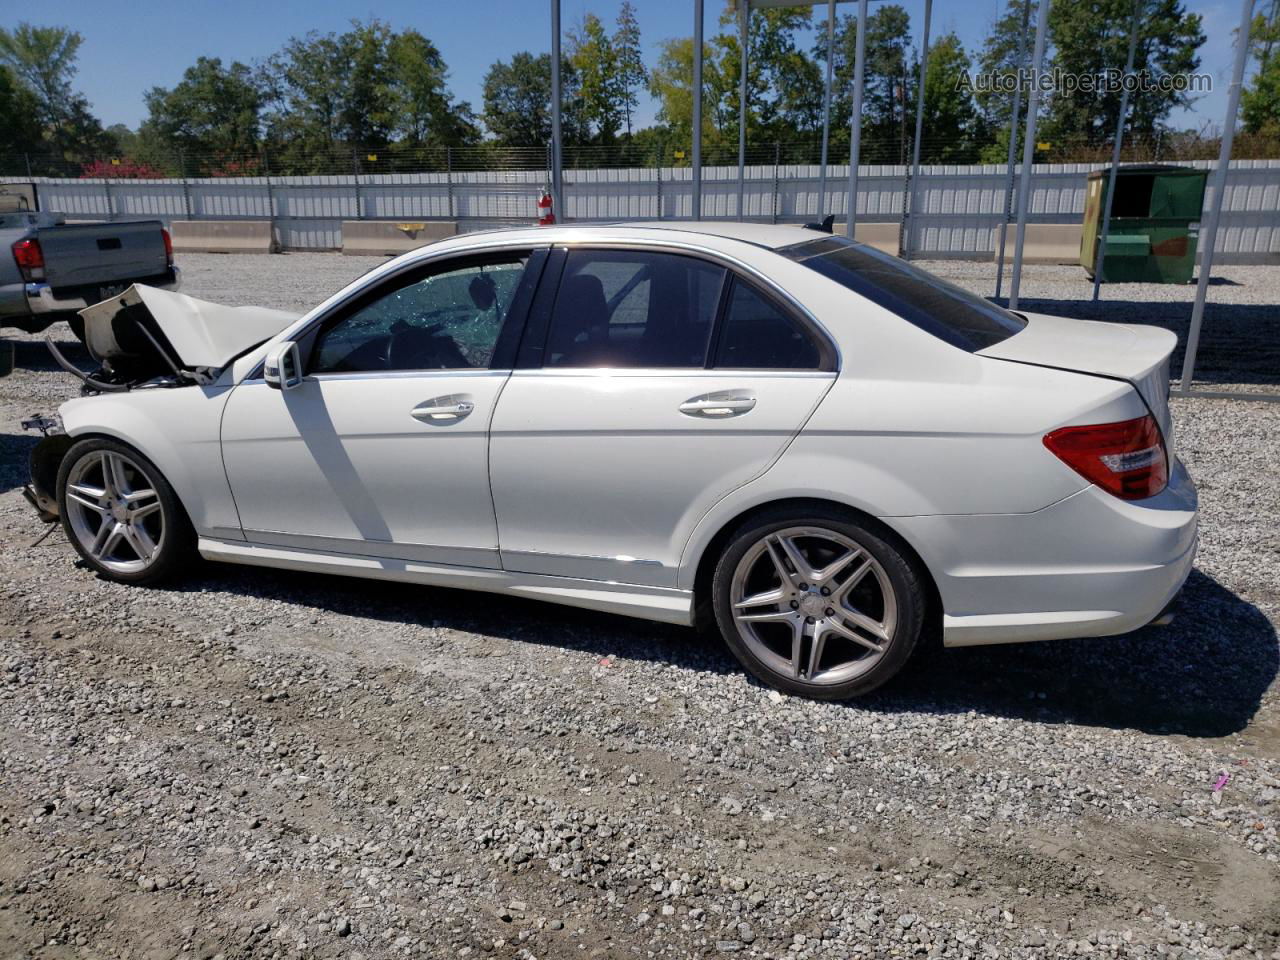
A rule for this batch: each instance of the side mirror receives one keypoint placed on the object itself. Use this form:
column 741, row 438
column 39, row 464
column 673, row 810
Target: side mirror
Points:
column 282, row 368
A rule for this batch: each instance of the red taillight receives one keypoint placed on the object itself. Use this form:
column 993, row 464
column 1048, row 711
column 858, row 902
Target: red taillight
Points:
column 168, row 246
column 30, row 259
column 1127, row 459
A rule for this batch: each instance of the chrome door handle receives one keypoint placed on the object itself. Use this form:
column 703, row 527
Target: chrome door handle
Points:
column 728, row 403
column 442, row 410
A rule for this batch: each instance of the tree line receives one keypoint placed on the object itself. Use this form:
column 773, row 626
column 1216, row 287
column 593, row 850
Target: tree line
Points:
column 372, row 97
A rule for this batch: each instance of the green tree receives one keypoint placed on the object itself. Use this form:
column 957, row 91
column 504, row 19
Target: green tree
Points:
column 784, row 88
column 517, row 102
column 43, row 59
column 424, row 108
column 632, row 75
column 1260, row 101
column 887, row 82
column 953, row 130
column 999, row 56
column 671, row 84
column 214, row 111
column 595, row 61
column 20, row 123
column 1091, row 37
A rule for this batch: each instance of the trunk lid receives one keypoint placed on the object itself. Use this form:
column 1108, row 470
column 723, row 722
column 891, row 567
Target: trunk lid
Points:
column 1136, row 353
column 102, row 254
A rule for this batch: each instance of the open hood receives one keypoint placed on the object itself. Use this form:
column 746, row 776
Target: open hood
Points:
column 144, row 326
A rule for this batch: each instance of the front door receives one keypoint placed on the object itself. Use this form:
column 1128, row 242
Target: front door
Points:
column 664, row 384
column 382, row 450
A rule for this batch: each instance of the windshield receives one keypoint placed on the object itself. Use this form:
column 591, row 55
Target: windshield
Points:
column 950, row 313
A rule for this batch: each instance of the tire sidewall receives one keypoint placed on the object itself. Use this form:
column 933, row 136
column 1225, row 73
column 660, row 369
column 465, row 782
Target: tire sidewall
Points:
column 175, row 548
column 906, row 585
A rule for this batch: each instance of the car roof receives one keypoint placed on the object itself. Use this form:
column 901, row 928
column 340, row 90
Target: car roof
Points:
column 767, row 235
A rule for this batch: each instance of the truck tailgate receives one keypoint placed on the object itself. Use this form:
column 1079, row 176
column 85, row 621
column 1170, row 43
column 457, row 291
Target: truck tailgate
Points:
column 102, row 254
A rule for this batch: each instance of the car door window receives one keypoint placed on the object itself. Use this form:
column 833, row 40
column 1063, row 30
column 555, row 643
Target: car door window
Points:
column 619, row 308
column 757, row 334
column 448, row 320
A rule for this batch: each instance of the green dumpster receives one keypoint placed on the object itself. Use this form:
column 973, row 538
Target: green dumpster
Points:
column 1155, row 223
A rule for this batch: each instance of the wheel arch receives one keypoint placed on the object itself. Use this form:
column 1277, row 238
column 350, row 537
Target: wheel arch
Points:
column 705, row 564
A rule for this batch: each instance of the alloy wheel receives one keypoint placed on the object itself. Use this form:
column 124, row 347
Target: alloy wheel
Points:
column 814, row 605
column 115, row 512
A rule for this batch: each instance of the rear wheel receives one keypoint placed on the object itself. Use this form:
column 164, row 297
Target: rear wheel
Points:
column 120, row 513
column 817, row 603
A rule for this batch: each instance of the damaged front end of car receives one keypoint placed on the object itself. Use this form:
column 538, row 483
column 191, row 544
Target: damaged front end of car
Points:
column 46, row 457
column 145, row 339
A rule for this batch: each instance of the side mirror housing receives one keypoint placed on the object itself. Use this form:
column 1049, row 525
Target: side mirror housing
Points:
column 282, row 368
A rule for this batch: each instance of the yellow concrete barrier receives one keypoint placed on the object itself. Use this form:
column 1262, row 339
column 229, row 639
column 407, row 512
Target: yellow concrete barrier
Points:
column 390, row 237
column 882, row 236
column 222, row 236
column 1044, row 243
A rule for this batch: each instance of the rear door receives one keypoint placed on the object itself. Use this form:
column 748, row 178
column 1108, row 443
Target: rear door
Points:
column 651, row 384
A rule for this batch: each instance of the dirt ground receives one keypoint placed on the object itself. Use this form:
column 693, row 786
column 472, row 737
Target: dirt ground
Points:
column 253, row 763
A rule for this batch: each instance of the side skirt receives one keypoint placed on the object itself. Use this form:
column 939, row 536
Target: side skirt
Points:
column 649, row 603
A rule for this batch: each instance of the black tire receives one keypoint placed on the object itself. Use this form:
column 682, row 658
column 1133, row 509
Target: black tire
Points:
column 175, row 544
column 867, row 670
column 76, row 323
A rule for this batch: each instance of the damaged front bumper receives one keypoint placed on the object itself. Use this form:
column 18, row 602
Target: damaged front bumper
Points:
column 46, row 458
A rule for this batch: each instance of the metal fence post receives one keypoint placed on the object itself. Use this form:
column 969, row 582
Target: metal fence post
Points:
column 355, row 175
column 27, row 157
column 106, row 187
column 777, row 159
column 186, row 184
column 448, row 179
column 657, row 172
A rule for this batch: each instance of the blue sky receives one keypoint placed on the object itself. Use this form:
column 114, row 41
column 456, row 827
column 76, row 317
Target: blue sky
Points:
column 130, row 48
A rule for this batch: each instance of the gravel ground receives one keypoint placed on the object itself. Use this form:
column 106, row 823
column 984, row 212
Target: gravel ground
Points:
column 265, row 764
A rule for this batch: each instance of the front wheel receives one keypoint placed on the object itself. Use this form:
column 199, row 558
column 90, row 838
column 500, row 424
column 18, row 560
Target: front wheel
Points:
column 120, row 513
column 818, row 604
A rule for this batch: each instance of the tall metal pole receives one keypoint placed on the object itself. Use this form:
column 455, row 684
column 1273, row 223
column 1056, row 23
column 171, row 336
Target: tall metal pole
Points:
column 1028, row 153
column 855, row 122
column 1210, row 235
column 1013, row 143
column 697, row 109
column 557, row 144
column 915, row 147
column 744, row 11
column 1115, row 150
column 826, row 108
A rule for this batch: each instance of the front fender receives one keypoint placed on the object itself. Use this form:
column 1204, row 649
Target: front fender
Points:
column 177, row 429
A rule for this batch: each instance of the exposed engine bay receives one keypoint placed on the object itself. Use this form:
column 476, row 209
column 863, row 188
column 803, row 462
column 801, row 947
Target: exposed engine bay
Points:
column 146, row 337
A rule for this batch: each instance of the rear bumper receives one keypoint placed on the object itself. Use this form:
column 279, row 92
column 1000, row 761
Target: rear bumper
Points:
column 42, row 299
column 1091, row 565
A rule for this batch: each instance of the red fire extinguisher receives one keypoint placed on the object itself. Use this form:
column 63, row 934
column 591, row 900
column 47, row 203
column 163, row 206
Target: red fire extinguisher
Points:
column 546, row 214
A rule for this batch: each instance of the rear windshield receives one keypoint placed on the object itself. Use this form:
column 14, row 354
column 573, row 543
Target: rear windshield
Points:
column 950, row 313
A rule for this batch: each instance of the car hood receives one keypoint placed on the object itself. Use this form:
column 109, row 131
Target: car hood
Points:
column 194, row 334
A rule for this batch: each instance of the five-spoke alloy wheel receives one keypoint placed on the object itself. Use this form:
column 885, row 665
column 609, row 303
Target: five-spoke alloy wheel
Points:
column 818, row 605
column 120, row 514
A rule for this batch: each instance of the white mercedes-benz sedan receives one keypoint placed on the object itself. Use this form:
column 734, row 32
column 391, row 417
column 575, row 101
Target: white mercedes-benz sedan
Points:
column 821, row 449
